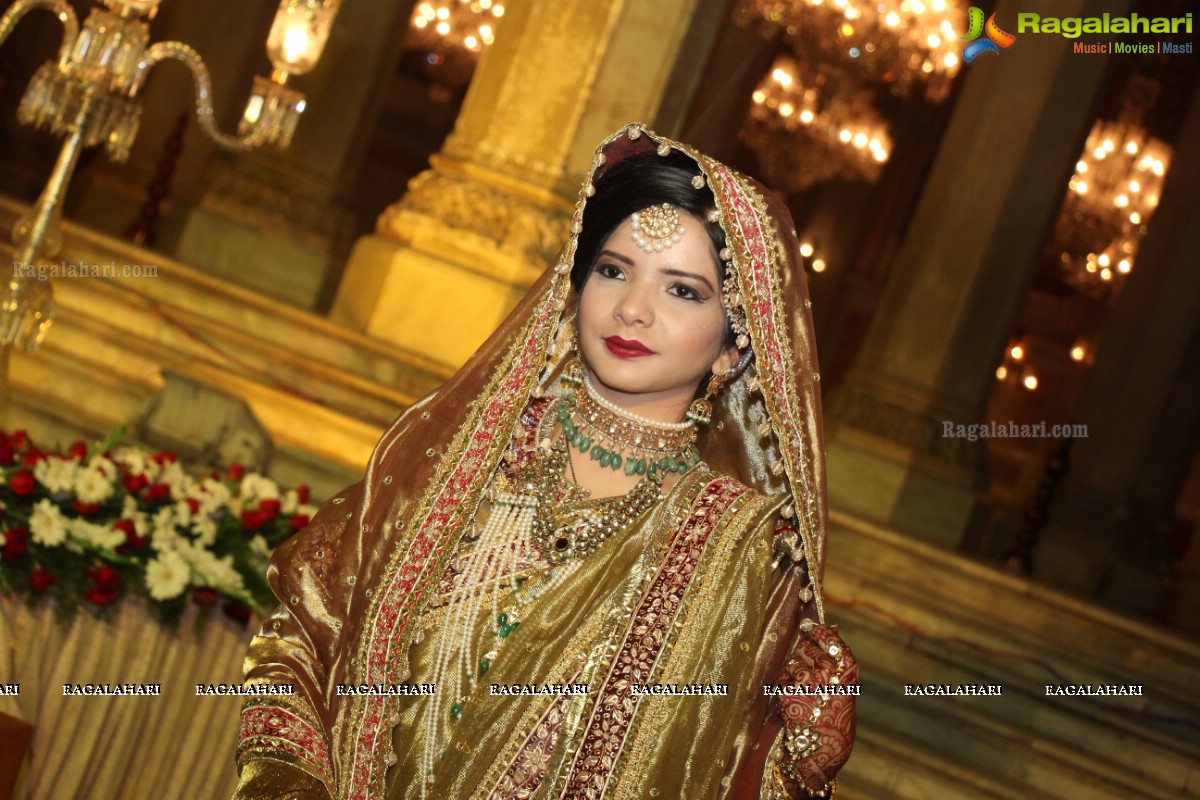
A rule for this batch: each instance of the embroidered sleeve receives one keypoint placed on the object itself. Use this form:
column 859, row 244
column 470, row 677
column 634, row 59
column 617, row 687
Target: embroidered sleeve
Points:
column 284, row 731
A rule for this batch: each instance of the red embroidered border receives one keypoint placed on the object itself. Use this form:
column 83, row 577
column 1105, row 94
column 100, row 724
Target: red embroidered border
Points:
column 757, row 281
column 645, row 638
column 529, row 768
column 278, row 729
column 411, row 580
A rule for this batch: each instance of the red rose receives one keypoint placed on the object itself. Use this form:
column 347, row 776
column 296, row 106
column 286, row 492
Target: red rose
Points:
column 132, row 540
column 156, row 492
column 235, row 472
column 99, row 596
column 8, row 453
column 193, row 506
column 22, row 483
column 86, row 509
column 205, row 596
column 298, row 521
column 135, row 483
column 237, row 611
column 253, row 520
column 16, row 542
column 302, row 493
column 78, row 450
column 162, row 459
column 20, row 439
column 105, row 579
column 31, row 458
column 269, row 509
column 40, row 579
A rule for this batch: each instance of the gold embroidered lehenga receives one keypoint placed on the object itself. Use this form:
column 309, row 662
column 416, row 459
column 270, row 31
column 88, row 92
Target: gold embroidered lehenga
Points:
column 706, row 588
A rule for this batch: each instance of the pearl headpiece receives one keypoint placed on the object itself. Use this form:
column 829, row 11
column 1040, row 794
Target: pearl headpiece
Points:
column 657, row 228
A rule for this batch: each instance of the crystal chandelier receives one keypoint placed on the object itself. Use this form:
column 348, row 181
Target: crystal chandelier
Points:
column 1110, row 199
column 910, row 46
column 806, row 130
column 90, row 96
column 451, row 34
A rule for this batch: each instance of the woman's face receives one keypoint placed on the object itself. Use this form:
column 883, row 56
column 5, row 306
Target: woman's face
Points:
column 651, row 325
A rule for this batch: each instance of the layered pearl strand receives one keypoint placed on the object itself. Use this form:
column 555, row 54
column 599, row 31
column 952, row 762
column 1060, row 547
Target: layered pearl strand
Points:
column 621, row 413
column 522, row 520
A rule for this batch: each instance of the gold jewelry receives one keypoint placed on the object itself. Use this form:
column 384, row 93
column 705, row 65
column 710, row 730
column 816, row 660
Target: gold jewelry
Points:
column 624, row 431
column 657, row 228
column 700, row 411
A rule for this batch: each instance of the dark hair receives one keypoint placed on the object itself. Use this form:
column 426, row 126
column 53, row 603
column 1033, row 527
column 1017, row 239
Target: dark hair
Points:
column 635, row 184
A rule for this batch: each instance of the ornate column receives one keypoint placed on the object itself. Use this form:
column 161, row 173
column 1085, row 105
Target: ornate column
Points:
column 449, row 260
column 1109, row 527
column 957, row 283
column 274, row 220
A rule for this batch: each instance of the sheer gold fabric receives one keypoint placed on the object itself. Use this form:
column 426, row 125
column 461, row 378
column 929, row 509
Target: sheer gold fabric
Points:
column 355, row 585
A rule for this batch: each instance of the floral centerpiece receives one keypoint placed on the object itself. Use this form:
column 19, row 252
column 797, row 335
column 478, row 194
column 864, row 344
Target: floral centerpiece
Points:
column 90, row 527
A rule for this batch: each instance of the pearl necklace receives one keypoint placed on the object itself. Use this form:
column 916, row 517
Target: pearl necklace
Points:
column 637, row 419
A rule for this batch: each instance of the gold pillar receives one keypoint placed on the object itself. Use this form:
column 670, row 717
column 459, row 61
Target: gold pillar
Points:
column 450, row 259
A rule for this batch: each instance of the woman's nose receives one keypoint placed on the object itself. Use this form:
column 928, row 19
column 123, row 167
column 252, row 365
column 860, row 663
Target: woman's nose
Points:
column 634, row 306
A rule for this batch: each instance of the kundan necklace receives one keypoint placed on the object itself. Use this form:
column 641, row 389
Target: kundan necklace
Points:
column 618, row 438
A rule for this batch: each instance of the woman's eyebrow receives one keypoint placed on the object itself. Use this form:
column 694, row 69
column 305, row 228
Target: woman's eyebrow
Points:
column 617, row 256
column 678, row 273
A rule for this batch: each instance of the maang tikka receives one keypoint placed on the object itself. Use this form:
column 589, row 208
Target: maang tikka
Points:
column 657, row 228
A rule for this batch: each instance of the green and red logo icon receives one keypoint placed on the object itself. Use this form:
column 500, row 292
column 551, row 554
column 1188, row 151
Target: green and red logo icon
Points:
column 996, row 38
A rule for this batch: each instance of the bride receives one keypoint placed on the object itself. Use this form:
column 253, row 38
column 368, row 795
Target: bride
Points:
column 579, row 567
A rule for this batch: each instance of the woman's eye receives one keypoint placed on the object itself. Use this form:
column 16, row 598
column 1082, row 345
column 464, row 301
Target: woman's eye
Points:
column 608, row 271
column 682, row 290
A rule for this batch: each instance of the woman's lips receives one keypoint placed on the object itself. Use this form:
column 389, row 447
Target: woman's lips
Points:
column 622, row 348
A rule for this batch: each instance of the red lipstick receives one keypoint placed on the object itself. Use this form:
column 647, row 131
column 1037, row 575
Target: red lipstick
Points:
column 627, row 348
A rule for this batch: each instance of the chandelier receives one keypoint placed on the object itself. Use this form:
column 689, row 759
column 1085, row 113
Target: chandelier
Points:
column 90, row 96
column 910, row 46
column 809, row 129
column 1110, row 199
column 451, row 34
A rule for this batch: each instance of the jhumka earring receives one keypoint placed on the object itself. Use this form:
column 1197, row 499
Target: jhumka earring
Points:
column 700, row 411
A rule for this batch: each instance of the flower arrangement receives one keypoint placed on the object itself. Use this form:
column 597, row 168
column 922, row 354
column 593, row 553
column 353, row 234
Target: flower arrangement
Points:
column 88, row 528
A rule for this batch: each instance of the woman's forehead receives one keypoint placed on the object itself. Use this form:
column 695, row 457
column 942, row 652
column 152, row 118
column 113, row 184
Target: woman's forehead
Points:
column 693, row 251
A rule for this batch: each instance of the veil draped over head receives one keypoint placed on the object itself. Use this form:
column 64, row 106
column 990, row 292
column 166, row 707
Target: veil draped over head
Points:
column 354, row 583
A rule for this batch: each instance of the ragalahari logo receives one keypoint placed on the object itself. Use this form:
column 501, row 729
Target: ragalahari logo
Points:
column 996, row 38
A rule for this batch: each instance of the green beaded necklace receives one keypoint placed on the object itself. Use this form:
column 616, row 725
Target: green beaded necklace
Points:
column 613, row 459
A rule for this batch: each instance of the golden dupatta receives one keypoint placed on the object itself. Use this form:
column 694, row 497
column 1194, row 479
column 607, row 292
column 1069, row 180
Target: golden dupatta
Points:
column 355, row 583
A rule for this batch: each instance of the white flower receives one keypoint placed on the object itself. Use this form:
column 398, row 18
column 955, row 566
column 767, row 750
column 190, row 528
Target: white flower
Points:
column 47, row 525
column 95, row 535
column 93, row 486
column 56, row 474
column 205, row 529
column 129, row 507
column 165, row 536
column 134, row 460
column 183, row 513
column 104, row 466
column 258, row 487
column 212, row 495
column 174, row 476
column 210, row 570
column 259, row 546
column 290, row 501
column 167, row 576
